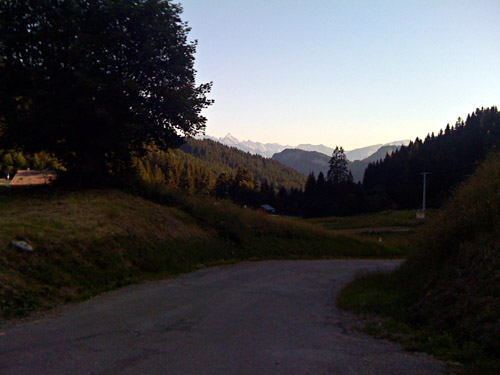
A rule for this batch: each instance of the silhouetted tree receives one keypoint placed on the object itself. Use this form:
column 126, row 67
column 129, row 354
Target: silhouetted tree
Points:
column 94, row 82
column 310, row 186
column 338, row 171
column 321, row 181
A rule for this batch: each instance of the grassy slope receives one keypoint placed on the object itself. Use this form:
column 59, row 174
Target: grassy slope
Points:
column 446, row 298
column 381, row 227
column 389, row 218
column 90, row 241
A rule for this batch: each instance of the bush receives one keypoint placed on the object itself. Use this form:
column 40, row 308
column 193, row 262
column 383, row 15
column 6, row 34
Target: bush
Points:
column 448, row 292
column 460, row 261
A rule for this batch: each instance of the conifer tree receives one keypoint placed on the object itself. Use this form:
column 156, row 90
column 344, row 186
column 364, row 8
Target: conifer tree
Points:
column 338, row 171
column 222, row 185
column 321, row 181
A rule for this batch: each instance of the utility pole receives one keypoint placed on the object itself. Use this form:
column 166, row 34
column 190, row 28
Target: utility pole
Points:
column 421, row 214
column 423, row 197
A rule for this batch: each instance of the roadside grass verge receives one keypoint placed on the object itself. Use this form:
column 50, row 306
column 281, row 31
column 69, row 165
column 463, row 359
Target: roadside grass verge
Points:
column 386, row 304
column 88, row 242
column 388, row 218
column 402, row 243
column 398, row 231
column 445, row 300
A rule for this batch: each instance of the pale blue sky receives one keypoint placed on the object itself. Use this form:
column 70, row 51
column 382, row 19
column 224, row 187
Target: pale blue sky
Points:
column 347, row 73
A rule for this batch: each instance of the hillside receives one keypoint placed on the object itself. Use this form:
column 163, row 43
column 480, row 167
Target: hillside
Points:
column 303, row 161
column 217, row 158
column 312, row 161
column 365, row 152
column 450, row 156
column 460, row 268
column 446, row 298
column 358, row 167
column 86, row 242
column 199, row 164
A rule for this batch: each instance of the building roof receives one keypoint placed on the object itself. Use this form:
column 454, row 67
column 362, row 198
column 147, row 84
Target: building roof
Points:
column 267, row 207
column 24, row 178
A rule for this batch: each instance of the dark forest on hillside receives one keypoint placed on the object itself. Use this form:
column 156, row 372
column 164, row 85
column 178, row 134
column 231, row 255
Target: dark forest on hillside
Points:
column 222, row 159
column 395, row 182
column 199, row 165
column 210, row 168
column 450, row 156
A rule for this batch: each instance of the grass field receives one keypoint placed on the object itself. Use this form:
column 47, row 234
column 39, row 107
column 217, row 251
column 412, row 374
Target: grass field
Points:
column 390, row 218
column 398, row 230
column 87, row 242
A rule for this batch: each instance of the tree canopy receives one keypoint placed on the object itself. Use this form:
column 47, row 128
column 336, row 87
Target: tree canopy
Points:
column 338, row 171
column 95, row 82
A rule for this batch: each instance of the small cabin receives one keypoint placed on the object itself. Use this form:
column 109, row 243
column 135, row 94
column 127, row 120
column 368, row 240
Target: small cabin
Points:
column 267, row 209
column 28, row 178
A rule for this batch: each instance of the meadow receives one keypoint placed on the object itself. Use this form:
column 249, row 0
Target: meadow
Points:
column 90, row 241
column 397, row 230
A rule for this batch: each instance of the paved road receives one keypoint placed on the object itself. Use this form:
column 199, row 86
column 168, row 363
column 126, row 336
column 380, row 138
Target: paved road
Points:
column 256, row 318
column 376, row 230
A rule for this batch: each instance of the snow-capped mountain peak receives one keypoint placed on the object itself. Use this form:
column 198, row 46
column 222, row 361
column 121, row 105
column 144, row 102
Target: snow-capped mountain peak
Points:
column 269, row 149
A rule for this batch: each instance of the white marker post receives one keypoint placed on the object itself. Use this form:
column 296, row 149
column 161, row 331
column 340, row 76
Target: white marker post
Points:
column 421, row 214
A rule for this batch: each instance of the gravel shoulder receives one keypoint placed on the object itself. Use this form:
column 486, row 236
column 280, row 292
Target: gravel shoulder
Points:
column 272, row 317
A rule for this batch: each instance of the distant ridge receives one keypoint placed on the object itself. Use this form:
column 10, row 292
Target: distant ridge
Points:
column 365, row 152
column 269, row 149
column 312, row 161
column 215, row 158
column 303, row 161
column 262, row 149
column 317, row 148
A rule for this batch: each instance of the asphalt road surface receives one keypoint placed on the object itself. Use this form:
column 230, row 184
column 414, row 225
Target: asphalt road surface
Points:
column 273, row 317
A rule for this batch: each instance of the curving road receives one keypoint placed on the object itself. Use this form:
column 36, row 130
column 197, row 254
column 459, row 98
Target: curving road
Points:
column 273, row 317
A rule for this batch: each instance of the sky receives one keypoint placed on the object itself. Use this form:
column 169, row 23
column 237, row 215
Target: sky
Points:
column 347, row 73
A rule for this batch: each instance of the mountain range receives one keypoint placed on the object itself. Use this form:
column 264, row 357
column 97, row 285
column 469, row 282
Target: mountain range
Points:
column 269, row 149
column 365, row 152
column 358, row 167
column 303, row 161
column 215, row 158
column 263, row 149
column 316, row 162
